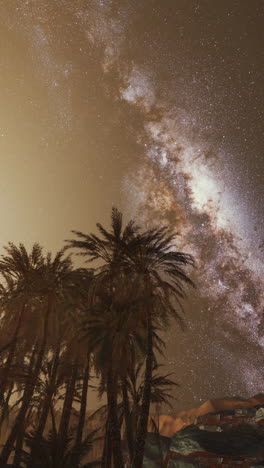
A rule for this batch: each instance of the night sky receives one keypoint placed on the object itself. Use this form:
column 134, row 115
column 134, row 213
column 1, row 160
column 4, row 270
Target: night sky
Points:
column 155, row 107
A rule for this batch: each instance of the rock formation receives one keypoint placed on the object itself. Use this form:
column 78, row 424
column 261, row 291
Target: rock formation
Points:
column 220, row 433
column 169, row 424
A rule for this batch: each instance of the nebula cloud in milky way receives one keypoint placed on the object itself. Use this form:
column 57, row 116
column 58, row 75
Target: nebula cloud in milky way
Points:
column 187, row 184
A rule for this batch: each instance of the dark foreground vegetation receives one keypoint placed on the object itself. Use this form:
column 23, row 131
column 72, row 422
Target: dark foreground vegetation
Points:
column 60, row 323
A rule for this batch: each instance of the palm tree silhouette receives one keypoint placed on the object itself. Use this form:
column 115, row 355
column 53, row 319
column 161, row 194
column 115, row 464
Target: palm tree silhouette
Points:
column 109, row 251
column 153, row 258
column 150, row 263
column 60, row 282
column 19, row 270
column 48, row 286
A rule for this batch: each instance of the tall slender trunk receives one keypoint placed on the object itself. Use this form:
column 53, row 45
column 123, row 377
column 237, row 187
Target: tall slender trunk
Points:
column 66, row 412
column 6, row 404
column 28, row 393
column 11, row 353
column 128, row 420
column 53, row 420
column 46, row 406
column 114, row 427
column 19, row 421
column 144, row 414
column 107, row 451
column 82, row 415
column 19, row 446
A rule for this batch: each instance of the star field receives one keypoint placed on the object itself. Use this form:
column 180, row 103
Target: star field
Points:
column 160, row 106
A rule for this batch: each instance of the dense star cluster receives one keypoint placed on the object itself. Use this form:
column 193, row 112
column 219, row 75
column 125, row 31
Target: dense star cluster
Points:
column 168, row 98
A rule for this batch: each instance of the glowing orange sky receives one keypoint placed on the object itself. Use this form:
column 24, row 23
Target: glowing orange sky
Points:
column 88, row 91
column 50, row 182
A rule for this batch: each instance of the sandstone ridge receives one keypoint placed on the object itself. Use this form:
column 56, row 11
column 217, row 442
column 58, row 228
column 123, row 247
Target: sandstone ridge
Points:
column 169, row 424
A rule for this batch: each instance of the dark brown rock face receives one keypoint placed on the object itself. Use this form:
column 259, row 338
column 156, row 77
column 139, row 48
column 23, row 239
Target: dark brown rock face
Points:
column 225, row 438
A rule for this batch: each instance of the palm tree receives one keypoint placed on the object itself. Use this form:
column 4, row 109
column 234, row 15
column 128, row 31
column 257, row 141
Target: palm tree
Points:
column 132, row 392
column 46, row 389
column 49, row 285
column 51, row 450
column 49, row 446
column 63, row 370
column 19, row 270
column 20, row 419
column 111, row 337
column 99, row 327
column 107, row 250
column 67, row 406
column 58, row 282
column 83, row 406
column 153, row 258
column 77, row 300
column 160, row 388
column 149, row 262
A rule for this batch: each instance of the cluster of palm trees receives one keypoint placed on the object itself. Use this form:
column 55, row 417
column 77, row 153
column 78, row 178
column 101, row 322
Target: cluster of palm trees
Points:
column 59, row 322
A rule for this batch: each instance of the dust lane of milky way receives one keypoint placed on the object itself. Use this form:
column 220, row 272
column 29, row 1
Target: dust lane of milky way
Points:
column 182, row 90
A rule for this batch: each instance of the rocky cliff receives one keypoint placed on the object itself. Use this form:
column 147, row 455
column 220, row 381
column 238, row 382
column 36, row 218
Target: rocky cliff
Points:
column 230, row 434
column 169, row 424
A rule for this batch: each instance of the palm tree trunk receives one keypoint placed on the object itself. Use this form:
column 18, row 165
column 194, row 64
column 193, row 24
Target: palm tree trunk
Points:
column 28, row 393
column 66, row 412
column 82, row 415
column 53, row 420
column 19, row 446
column 114, row 428
column 128, row 422
column 19, row 421
column 6, row 404
column 46, row 406
column 144, row 415
column 107, row 451
column 11, row 354
column 103, row 459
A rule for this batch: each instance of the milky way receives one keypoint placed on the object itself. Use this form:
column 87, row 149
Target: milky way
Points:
column 187, row 180
column 187, row 171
